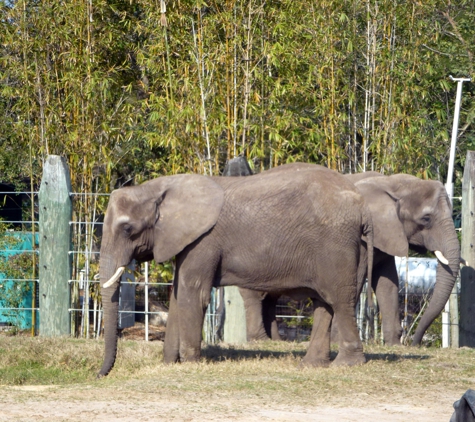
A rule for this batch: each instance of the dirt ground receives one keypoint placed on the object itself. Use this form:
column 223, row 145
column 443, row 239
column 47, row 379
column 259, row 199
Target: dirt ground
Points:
column 36, row 403
column 397, row 396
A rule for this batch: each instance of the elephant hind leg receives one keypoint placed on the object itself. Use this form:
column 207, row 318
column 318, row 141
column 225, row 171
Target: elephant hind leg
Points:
column 318, row 353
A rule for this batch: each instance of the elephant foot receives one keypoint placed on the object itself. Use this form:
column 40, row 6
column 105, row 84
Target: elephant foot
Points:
column 394, row 342
column 169, row 360
column 315, row 361
column 170, row 355
column 349, row 359
column 260, row 337
column 190, row 354
column 318, row 363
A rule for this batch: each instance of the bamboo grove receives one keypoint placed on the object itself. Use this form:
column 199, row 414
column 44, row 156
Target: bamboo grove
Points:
column 136, row 89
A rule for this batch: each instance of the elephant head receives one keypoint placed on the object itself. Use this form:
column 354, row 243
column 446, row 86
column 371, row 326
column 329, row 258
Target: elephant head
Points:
column 410, row 212
column 157, row 219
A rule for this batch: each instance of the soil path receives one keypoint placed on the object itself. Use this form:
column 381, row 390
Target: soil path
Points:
column 101, row 404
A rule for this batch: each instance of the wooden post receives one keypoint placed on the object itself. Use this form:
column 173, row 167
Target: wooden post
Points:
column 55, row 210
column 234, row 330
column 467, row 273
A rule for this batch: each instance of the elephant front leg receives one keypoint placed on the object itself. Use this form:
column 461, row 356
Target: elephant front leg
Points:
column 386, row 286
column 171, row 348
column 350, row 347
column 192, row 303
column 318, row 353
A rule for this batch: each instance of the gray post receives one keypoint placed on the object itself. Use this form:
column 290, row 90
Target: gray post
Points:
column 55, row 210
column 234, row 330
column 467, row 273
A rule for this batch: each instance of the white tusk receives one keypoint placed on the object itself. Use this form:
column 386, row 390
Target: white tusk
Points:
column 463, row 262
column 114, row 278
column 440, row 256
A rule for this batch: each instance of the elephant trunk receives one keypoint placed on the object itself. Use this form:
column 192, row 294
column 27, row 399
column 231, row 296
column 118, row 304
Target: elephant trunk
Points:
column 110, row 306
column 445, row 280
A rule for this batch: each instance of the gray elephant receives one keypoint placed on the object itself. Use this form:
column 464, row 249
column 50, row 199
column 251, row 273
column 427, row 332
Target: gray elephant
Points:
column 296, row 230
column 406, row 212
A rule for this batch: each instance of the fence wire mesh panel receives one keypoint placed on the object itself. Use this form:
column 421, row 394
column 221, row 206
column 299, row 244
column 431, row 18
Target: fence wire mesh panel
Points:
column 19, row 243
column 86, row 229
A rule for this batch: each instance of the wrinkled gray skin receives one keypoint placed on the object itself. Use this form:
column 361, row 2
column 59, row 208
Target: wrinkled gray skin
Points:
column 406, row 212
column 260, row 307
column 268, row 232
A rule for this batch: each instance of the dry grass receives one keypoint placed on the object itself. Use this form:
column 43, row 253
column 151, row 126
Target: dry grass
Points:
column 227, row 377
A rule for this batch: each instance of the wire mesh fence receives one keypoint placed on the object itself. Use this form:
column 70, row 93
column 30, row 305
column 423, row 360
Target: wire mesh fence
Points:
column 18, row 261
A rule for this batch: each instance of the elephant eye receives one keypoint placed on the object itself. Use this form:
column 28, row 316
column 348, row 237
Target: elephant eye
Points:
column 127, row 229
column 426, row 219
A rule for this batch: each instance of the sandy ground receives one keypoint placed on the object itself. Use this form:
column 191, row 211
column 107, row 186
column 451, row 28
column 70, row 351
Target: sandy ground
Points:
column 52, row 403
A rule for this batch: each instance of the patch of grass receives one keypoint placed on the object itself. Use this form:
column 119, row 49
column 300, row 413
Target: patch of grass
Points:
column 253, row 371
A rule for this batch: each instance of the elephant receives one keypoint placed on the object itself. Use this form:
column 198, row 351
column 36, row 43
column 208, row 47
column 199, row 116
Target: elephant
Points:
column 407, row 212
column 268, row 232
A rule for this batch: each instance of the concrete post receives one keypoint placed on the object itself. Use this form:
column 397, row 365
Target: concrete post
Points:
column 55, row 209
column 467, row 273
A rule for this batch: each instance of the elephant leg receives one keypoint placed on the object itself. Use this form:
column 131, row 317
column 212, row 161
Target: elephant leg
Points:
column 350, row 347
column 268, row 315
column 171, row 347
column 386, row 287
column 253, row 304
column 194, row 294
column 318, row 353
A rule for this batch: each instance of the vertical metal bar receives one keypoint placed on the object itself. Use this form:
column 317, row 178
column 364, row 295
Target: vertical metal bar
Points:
column 146, row 300
column 449, row 186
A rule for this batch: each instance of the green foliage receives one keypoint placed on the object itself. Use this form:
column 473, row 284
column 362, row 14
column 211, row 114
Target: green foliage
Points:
column 303, row 311
column 127, row 91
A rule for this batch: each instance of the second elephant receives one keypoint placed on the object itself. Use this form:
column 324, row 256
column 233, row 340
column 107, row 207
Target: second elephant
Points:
column 407, row 212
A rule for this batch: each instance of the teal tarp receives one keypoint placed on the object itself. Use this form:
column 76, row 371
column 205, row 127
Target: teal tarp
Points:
column 20, row 318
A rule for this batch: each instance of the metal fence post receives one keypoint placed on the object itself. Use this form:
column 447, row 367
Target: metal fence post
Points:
column 55, row 210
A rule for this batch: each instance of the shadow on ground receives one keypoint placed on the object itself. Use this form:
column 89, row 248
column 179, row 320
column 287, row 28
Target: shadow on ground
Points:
column 394, row 357
column 216, row 353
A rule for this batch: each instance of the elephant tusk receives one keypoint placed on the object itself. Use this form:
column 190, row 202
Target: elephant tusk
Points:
column 114, row 278
column 440, row 256
column 463, row 262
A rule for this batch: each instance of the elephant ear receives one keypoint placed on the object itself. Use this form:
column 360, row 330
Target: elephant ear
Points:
column 187, row 207
column 389, row 235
